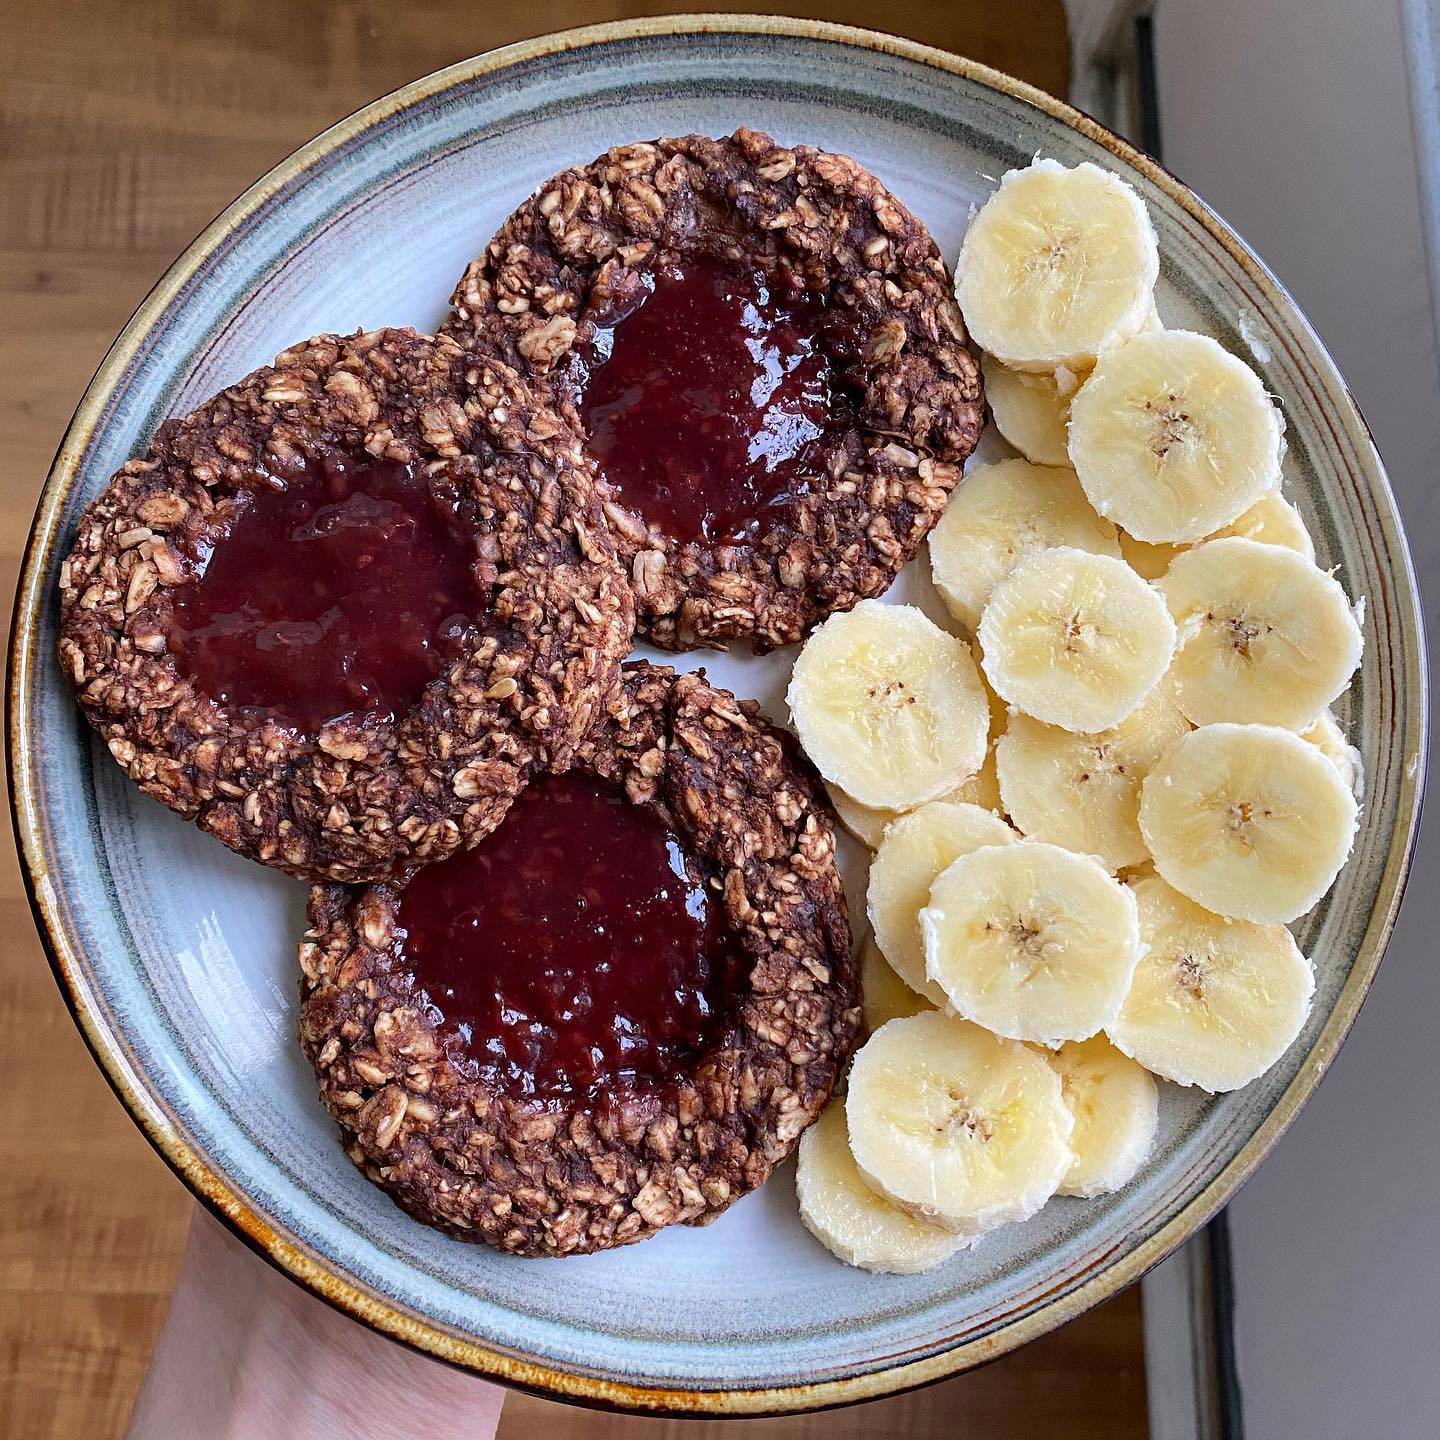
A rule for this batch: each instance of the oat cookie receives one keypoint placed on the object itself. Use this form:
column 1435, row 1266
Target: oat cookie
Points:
column 496, row 488
column 558, row 1174
column 905, row 406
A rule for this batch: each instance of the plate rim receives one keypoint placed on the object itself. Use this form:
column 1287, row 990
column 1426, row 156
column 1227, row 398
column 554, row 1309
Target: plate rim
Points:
column 290, row 1254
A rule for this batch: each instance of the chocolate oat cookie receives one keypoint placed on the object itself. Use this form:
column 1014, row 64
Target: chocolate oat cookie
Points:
column 763, row 349
column 619, row 1011
column 341, row 611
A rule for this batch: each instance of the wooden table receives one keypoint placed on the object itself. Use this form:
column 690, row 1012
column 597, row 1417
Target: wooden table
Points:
column 123, row 128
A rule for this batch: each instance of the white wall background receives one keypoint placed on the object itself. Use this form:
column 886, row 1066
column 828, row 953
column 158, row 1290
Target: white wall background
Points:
column 1292, row 118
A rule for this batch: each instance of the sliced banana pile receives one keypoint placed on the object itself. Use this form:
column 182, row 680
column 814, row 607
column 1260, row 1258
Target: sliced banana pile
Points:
column 884, row 995
column 852, row 1220
column 1031, row 409
column 1002, row 514
column 1272, row 520
column 1214, row 1002
column 1264, row 635
column 913, row 854
column 1075, row 639
column 889, row 706
column 1173, row 437
column 1031, row 941
column 868, row 824
column 1249, row 821
column 1058, row 267
column 955, row 1126
column 1083, row 791
column 1096, row 807
column 1115, row 1104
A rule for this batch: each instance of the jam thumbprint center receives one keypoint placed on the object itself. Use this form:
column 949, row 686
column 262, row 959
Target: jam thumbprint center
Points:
column 342, row 588
column 706, row 388
column 573, row 949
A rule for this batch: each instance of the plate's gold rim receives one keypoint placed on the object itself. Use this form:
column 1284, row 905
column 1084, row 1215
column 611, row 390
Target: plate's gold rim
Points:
column 214, row 1189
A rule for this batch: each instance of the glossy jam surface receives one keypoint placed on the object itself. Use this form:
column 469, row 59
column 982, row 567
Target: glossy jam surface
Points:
column 572, row 950
column 705, row 392
column 341, row 589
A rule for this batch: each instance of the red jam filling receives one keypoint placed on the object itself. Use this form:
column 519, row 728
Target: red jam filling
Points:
column 343, row 587
column 705, row 393
column 575, row 949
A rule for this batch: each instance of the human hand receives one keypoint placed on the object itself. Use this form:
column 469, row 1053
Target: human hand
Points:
column 246, row 1354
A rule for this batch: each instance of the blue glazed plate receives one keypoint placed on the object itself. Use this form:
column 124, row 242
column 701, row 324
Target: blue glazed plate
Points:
column 178, row 958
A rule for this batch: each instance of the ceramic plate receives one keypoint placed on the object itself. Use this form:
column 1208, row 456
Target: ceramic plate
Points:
column 179, row 958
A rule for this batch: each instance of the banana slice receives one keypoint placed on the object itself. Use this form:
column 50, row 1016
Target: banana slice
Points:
column 867, row 825
column 1031, row 941
column 1058, row 266
column 1264, row 635
column 1272, row 520
column 1032, row 409
column 849, row 1219
column 1214, row 1002
column 1329, row 739
column 1075, row 639
column 1116, row 1106
column 916, row 848
column 888, row 706
column 1083, row 791
column 1248, row 821
column 999, row 515
column 1173, row 437
column 956, row 1126
column 884, row 996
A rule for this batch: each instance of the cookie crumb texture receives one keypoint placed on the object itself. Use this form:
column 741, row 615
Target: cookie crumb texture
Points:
column 566, row 1175
column 365, row 796
column 874, row 484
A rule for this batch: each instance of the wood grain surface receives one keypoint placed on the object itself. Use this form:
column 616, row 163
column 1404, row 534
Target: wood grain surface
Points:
column 123, row 128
